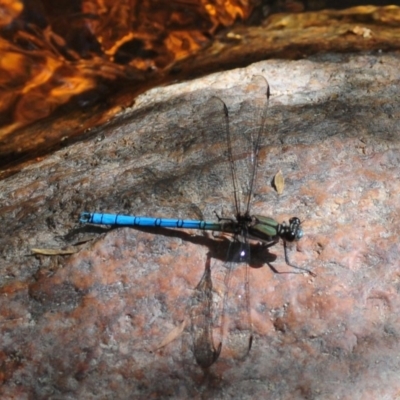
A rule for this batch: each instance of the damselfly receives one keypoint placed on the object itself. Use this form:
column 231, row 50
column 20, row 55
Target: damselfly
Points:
column 242, row 153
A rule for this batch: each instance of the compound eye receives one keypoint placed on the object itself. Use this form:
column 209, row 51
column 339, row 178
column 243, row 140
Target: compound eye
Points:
column 295, row 229
column 294, row 221
column 299, row 234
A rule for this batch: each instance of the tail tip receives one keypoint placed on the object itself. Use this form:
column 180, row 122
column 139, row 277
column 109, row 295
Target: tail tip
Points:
column 84, row 217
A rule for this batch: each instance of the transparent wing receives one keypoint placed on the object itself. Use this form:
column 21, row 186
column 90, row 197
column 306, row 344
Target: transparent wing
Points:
column 235, row 322
column 236, row 325
column 244, row 140
column 211, row 175
column 220, row 148
column 201, row 321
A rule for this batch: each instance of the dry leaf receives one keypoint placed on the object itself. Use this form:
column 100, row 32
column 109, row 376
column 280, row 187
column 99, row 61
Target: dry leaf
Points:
column 55, row 252
column 173, row 334
column 279, row 182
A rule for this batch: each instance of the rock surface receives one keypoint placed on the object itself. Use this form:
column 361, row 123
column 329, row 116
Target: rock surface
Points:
column 88, row 325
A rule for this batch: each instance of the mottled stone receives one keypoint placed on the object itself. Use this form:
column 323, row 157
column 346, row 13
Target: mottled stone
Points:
column 88, row 325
